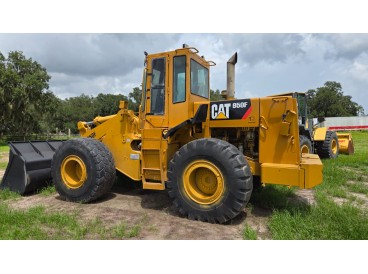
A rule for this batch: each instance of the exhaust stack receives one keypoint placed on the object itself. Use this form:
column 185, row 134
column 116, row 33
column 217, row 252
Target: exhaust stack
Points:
column 230, row 88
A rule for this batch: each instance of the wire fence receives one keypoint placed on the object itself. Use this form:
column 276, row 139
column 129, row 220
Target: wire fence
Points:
column 38, row 137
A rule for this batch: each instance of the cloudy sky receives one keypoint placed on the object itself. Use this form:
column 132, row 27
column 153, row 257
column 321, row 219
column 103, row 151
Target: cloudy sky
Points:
column 267, row 63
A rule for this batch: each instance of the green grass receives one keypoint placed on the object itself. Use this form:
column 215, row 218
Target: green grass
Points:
column 326, row 219
column 358, row 187
column 121, row 231
column 249, row 233
column 6, row 194
column 48, row 191
column 3, row 165
column 273, row 197
column 4, row 148
column 37, row 224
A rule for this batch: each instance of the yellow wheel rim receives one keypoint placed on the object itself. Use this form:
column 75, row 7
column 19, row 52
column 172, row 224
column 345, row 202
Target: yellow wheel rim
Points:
column 203, row 182
column 334, row 146
column 73, row 171
column 305, row 149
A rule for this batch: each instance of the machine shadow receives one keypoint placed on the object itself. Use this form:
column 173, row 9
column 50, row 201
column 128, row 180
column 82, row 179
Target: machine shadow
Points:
column 152, row 199
column 266, row 200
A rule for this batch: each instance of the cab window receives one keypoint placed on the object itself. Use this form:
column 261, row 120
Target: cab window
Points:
column 179, row 79
column 199, row 79
column 144, row 81
column 158, row 86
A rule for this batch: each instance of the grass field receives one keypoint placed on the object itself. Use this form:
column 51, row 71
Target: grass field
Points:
column 340, row 211
column 4, row 148
column 36, row 223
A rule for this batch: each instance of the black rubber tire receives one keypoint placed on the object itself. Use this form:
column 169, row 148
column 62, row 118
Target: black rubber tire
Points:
column 99, row 165
column 238, row 180
column 304, row 141
column 324, row 148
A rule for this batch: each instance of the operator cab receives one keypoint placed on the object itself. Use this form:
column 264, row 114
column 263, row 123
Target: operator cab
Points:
column 172, row 82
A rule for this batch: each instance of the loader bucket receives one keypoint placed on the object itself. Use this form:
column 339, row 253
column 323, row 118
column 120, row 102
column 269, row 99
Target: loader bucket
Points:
column 29, row 166
column 345, row 143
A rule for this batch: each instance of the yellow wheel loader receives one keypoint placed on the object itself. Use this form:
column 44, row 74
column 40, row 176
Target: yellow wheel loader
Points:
column 315, row 139
column 204, row 153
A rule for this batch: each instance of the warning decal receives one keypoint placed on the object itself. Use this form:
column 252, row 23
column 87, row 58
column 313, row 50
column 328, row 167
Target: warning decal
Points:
column 231, row 110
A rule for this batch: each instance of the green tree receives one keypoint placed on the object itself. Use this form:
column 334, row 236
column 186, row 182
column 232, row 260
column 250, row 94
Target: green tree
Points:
column 48, row 117
column 215, row 95
column 72, row 110
column 135, row 98
column 107, row 104
column 330, row 101
column 23, row 85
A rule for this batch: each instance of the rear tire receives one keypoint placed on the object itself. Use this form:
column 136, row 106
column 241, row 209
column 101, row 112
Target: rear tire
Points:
column 209, row 180
column 83, row 170
column 329, row 148
column 305, row 144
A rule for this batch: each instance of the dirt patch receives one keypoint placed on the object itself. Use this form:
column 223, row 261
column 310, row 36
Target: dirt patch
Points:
column 340, row 201
column 362, row 200
column 4, row 157
column 305, row 196
column 354, row 182
column 151, row 210
column 257, row 219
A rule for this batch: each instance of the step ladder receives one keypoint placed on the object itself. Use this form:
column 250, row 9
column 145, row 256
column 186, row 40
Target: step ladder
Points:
column 153, row 168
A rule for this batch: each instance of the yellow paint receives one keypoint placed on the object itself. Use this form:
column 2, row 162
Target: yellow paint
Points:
column 119, row 134
column 306, row 175
column 282, row 174
column 73, row 172
column 287, row 122
column 203, row 182
column 346, row 144
column 312, row 166
column 221, row 116
column 255, row 167
column 334, row 146
column 319, row 134
column 278, row 145
column 305, row 149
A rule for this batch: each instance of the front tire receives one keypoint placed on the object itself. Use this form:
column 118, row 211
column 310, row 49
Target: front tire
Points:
column 209, row 180
column 82, row 170
column 305, row 144
column 329, row 148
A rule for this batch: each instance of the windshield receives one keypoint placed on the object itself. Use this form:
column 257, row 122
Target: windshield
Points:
column 199, row 79
column 302, row 108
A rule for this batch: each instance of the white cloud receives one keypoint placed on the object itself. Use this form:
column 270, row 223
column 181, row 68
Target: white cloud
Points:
column 267, row 63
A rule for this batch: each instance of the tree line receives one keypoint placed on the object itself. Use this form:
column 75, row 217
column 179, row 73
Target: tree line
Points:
column 28, row 106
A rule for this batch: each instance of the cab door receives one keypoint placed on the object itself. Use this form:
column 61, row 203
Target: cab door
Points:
column 155, row 121
column 156, row 95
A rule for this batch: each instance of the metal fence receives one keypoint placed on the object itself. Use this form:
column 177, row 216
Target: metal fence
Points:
column 39, row 137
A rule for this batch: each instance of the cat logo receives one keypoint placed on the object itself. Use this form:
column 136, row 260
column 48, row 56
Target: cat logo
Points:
column 231, row 110
column 220, row 111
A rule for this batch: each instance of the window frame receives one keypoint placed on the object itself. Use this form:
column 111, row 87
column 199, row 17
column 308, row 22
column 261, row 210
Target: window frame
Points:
column 185, row 79
column 164, row 87
column 144, row 91
column 208, row 79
